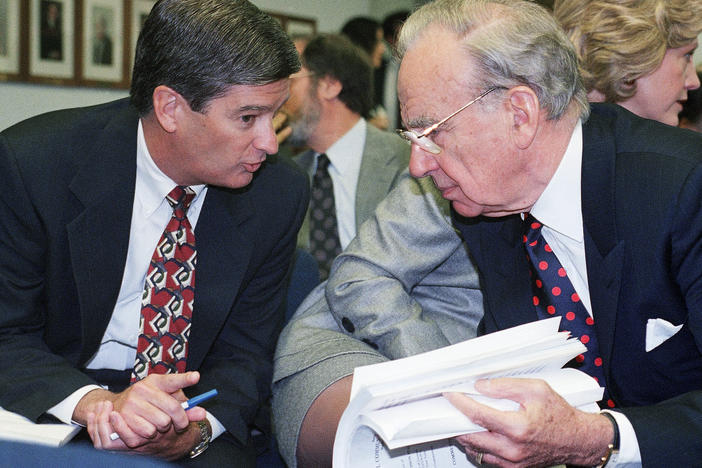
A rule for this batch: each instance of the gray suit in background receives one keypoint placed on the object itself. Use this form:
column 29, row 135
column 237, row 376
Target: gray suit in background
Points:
column 399, row 299
column 385, row 156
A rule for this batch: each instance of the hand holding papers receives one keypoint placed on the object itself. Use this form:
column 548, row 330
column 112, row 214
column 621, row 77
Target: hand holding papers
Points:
column 401, row 400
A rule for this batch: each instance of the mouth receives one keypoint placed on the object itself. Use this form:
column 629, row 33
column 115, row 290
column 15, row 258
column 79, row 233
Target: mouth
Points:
column 252, row 167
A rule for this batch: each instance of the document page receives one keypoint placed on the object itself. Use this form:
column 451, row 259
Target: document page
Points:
column 20, row 429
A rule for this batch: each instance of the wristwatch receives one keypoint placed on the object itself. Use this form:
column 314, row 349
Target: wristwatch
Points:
column 204, row 440
column 613, row 448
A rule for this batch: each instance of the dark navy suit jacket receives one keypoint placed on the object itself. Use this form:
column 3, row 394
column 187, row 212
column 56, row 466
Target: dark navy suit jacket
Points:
column 68, row 181
column 642, row 216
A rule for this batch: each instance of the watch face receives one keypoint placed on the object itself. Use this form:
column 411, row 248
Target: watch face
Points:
column 204, row 440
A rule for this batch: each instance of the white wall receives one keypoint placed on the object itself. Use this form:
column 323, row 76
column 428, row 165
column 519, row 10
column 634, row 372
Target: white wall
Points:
column 19, row 100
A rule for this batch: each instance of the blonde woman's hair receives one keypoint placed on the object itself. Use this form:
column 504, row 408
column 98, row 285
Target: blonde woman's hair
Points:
column 619, row 41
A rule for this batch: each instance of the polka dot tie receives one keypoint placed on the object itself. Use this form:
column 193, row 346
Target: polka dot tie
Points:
column 324, row 233
column 169, row 293
column 554, row 294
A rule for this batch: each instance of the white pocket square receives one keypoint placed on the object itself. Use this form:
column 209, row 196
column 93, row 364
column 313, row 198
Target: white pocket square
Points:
column 658, row 331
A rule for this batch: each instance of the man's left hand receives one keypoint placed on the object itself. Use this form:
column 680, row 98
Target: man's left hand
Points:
column 170, row 444
column 545, row 431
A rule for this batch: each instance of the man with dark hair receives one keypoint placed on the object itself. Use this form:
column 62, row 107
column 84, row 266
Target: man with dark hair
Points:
column 329, row 100
column 112, row 212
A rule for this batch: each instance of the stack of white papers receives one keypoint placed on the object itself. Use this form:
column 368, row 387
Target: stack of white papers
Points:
column 401, row 401
column 20, row 429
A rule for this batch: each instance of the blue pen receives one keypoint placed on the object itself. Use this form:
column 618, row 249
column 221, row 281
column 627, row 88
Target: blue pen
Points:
column 194, row 401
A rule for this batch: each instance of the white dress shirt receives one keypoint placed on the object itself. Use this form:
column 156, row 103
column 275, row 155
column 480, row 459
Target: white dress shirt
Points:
column 559, row 209
column 150, row 215
column 345, row 157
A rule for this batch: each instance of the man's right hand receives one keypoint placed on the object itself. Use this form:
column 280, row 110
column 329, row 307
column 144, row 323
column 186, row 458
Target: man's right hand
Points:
column 149, row 406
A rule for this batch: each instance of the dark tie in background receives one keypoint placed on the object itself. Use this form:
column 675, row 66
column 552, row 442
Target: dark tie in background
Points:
column 169, row 292
column 554, row 295
column 324, row 232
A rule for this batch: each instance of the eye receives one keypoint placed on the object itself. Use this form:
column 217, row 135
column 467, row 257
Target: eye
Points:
column 247, row 119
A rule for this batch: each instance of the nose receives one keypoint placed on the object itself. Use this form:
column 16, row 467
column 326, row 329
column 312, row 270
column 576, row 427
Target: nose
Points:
column 421, row 162
column 692, row 80
column 266, row 140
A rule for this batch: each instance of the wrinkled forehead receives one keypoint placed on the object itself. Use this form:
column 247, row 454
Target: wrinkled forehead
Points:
column 435, row 73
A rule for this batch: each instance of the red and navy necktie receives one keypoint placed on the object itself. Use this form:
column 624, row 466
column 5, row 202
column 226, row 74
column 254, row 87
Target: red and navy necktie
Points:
column 169, row 293
column 554, row 295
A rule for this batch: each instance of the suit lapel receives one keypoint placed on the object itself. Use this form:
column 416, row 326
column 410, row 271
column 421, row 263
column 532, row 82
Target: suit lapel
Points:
column 603, row 252
column 105, row 187
column 223, row 240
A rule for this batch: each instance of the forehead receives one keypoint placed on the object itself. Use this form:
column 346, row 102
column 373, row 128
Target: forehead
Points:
column 435, row 72
column 263, row 97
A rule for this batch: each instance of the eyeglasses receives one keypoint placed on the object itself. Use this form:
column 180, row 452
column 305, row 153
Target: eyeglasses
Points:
column 422, row 139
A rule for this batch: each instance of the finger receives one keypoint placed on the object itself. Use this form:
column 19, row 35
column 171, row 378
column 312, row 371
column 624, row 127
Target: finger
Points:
column 482, row 415
column 145, row 400
column 196, row 413
column 91, row 427
column 170, row 383
column 126, row 435
column 279, row 119
column 283, row 134
column 105, row 429
column 520, row 390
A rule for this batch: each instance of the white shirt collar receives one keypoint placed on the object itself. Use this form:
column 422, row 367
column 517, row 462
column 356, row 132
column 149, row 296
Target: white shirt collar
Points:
column 152, row 184
column 559, row 206
column 345, row 153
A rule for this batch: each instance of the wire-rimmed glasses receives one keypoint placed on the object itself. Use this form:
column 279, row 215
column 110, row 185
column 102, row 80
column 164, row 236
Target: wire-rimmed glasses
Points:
column 422, row 139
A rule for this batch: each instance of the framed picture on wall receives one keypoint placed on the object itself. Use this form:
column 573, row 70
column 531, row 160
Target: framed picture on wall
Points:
column 103, row 41
column 9, row 36
column 295, row 25
column 140, row 10
column 51, row 39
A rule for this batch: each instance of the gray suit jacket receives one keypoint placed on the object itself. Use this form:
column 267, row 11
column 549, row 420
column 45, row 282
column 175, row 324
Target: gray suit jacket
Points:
column 404, row 285
column 385, row 156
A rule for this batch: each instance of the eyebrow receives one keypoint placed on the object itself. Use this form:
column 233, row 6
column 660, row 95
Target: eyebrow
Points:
column 421, row 122
column 255, row 108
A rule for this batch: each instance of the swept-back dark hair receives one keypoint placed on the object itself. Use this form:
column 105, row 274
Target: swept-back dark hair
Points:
column 200, row 48
column 336, row 56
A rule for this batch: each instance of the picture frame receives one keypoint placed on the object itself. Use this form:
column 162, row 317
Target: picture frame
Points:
column 10, row 11
column 295, row 25
column 102, row 41
column 52, row 40
column 140, row 9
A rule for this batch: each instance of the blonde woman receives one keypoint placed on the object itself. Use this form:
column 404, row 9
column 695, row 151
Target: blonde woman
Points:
column 636, row 53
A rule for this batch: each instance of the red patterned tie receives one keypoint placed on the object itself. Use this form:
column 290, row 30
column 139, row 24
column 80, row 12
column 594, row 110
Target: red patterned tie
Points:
column 169, row 292
column 554, row 294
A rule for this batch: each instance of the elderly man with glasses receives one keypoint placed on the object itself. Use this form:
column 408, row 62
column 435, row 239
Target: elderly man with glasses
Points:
column 591, row 214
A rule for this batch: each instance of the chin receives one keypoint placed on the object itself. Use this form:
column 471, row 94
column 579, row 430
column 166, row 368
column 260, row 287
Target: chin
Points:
column 467, row 211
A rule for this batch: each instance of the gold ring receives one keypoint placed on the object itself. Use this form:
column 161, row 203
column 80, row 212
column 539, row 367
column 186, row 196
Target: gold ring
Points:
column 479, row 458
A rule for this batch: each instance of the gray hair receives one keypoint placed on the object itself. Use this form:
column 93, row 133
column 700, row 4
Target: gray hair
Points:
column 513, row 43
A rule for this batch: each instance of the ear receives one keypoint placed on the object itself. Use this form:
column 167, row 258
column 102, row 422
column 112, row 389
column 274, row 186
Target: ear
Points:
column 329, row 88
column 166, row 102
column 525, row 113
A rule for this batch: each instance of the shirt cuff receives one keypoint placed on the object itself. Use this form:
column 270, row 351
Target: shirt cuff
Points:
column 217, row 427
column 629, row 454
column 63, row 410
